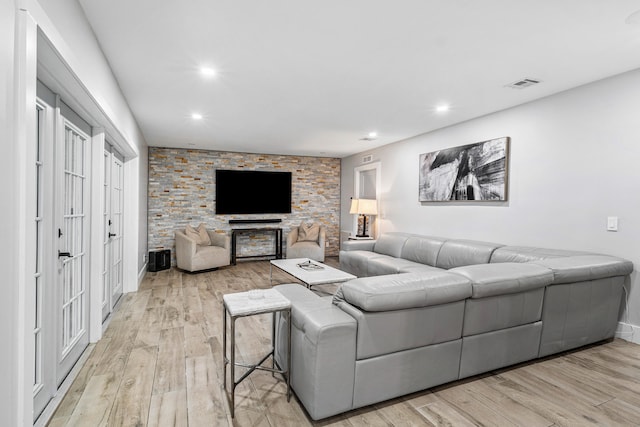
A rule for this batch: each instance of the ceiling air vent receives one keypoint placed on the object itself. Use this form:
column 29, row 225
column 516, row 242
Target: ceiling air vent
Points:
column 521, row 84
column 367, row 158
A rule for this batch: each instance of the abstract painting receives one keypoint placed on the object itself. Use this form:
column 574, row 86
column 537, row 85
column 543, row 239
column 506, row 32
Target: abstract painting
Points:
column 469, row 172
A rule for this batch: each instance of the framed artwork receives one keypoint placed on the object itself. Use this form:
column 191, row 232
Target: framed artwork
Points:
column 474, row 172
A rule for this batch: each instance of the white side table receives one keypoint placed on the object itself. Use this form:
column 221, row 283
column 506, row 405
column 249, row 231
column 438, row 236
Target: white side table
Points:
column 243, row 304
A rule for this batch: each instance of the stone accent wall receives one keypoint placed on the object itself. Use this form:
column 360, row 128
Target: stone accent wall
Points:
column 182, row 191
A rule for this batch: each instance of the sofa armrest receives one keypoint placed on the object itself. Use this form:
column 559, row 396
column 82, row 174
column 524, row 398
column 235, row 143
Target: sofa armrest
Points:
column 184, row 245
column 185, row 251
column 323, row 351
column 322, row 237
column 358, row 245
column 292, row 237
column 219, row 239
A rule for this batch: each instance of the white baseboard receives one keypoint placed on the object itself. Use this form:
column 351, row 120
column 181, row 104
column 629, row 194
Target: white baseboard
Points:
column 141, row 274
column 628, row 332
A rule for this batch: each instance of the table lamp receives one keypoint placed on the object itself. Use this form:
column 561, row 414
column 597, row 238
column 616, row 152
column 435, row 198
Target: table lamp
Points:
column 364, row 207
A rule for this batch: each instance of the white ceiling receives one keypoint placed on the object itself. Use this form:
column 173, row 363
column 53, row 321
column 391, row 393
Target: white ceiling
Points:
column 314, row 77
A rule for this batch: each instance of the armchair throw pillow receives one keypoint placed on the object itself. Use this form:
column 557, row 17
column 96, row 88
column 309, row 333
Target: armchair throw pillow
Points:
column 199, row 234
column 308, row 232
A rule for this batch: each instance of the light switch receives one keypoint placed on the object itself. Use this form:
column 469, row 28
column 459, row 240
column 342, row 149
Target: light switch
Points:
column 612, row 223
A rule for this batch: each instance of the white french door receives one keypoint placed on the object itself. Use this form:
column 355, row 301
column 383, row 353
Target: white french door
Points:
column 71, row 193
column 113, row 198
column 60, row 267
column 44, row 384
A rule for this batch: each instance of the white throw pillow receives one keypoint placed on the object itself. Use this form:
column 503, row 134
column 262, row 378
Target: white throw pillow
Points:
column 199, row 234
column 308, row 232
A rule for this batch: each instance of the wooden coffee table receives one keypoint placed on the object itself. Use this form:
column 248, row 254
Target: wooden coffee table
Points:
column 309, row 272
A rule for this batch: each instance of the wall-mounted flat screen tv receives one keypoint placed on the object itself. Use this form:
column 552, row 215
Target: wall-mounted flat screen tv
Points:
column 252, row 192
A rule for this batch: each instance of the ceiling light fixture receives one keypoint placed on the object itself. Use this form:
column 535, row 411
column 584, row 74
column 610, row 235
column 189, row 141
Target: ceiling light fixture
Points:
column 196, row 116
column 442, row 108
column 207, row 71
column 371, row 136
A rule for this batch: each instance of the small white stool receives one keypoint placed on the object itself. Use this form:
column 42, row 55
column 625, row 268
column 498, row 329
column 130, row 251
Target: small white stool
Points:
column 243, row 304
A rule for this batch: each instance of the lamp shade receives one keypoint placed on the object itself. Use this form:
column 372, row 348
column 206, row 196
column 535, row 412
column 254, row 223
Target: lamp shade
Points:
column 364, row 206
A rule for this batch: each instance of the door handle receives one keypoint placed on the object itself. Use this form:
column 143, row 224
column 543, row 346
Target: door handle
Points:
column 112, row 235
column 64, row 254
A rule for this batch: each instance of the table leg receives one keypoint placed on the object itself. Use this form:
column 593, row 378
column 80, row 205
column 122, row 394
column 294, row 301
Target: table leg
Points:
column 233, row 247
column 273, row 343
column 288, row 312
column 233, row 365
column 224, row 348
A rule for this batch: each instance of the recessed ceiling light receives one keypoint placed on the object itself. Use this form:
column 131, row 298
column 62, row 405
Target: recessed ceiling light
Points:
column 373, row 134
column 207, row 71
column 442, row 108
column 196, row 116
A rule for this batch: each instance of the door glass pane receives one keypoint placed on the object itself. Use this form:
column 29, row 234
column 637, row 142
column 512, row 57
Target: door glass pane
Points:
column 37, row 278
column 73, row 267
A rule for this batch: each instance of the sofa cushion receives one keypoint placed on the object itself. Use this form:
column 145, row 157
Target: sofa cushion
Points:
column 209, row 257
column 355, row 262
column 421, row 326
column 422, row 249
column 457, row 253
column 357, row 245
column 419, row 268
column 383, row 264
column 405, row 290
column 504, row 278
column 502, row 311
column 586, row 267
column 391, row 244
column 527, row 253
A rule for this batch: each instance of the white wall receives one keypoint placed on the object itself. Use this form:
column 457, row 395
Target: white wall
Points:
column 65, row 24
column 575, row 159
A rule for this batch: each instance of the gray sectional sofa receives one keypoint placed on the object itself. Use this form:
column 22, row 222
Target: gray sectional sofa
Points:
column 425, row 311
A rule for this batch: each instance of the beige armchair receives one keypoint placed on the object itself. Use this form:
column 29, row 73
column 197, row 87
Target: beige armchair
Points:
column 306, row 249
column 193, row 257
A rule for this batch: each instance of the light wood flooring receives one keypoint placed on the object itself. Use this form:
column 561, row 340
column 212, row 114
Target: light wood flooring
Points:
column 160, row 364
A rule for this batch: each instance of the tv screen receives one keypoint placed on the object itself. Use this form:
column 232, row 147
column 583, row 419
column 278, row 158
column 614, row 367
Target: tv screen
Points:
column 252, row 192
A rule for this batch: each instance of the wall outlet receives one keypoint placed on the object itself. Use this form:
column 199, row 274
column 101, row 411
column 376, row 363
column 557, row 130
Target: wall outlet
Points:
column 326, row 244
column 144, row 258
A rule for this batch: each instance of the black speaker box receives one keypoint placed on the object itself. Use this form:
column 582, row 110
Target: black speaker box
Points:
column 159, row 260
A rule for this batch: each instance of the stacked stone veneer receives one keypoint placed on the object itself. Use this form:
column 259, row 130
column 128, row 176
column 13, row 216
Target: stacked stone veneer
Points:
column 182, row 191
